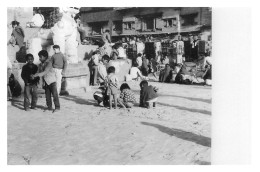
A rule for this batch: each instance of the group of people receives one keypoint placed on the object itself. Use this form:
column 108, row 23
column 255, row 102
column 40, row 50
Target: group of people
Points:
column 110, row 92
column 50, row 70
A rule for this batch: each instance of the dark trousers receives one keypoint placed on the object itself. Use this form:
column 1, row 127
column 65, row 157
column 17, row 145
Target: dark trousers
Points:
column 30, row 90
column 52, row 90
column 93, row 75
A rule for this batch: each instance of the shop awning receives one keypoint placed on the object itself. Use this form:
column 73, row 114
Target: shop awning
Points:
column 129, row 19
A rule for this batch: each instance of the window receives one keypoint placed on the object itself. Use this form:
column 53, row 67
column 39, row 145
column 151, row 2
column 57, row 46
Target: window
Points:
column 148, row 24
column 97, row 27
column 117, row 26
column 189, row 19
column 96, row 30
column 171, row 22
column 128, row 25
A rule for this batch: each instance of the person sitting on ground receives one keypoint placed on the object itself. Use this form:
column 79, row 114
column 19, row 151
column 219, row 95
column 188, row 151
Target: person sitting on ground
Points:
column 14, row 86
column 101, row 96
column 112, row 84
column 148, row 95
column 37, row 20
column 127, row 98
column 135, row 73
column 184, row 76
column 166, row 74
column 207, row 76
column 30, row 85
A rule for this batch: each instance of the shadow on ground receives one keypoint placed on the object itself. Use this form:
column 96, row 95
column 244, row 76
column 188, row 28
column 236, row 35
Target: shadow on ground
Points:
column 201, row 140
column 198, row 162
column 187, row 109
column 20, row 105
column 79, row 100
column 188, row 98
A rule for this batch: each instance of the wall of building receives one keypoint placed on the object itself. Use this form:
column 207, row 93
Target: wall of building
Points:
column 203, row 18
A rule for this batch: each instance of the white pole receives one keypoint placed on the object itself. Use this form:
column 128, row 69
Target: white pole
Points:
column 178, row 25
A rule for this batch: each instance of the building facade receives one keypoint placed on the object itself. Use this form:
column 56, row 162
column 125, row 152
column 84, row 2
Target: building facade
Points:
column 147, row 20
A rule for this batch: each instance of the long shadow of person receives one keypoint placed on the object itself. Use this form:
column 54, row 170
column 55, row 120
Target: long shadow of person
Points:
column 79, row 100
column 201, row 140
column 187, row 109
column 20, row 105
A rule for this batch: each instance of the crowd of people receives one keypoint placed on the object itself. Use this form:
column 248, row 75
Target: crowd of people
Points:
column 132, row 49
column 162, row 68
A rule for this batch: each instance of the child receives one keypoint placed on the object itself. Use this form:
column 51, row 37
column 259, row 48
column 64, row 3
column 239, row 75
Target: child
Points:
column 30, row 84
column 135, row 73
column 49, row 78
column 101, row 96
column 14, row 86
column 127, row 98
column 59, row 63
column 112, row 86
column 148, row 95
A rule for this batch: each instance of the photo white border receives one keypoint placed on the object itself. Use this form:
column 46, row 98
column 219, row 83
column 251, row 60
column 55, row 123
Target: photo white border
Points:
column 234, row 156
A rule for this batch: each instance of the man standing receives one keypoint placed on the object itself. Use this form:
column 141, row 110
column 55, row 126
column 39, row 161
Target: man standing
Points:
column 194, row 48
column 180, row 50
column 59, row 63
column 102, row 70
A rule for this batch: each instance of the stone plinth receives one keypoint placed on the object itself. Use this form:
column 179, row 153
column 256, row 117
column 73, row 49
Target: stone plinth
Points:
column 76, row 77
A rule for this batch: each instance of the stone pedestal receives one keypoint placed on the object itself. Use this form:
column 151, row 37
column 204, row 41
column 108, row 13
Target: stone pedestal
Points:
column 76, row 77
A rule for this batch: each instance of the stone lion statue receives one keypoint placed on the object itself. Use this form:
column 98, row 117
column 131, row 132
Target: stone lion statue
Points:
column 64, row 34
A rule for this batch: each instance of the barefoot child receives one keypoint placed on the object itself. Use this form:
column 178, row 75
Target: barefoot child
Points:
column 112, row 86
column 127, row 98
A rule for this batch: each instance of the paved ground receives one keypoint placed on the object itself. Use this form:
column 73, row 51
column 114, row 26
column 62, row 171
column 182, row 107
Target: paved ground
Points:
column 177, row 131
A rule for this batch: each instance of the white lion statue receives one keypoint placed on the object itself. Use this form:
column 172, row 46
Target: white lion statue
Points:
column 65, row 33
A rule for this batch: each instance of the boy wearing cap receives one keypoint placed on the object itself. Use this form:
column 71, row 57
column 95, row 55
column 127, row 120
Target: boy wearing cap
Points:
column 59, row 64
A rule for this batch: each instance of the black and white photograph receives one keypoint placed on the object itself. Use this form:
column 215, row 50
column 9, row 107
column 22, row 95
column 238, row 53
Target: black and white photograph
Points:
column 109, row 85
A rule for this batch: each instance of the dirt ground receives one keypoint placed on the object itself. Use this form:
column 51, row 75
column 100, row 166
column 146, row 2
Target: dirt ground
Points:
column 177, row 131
